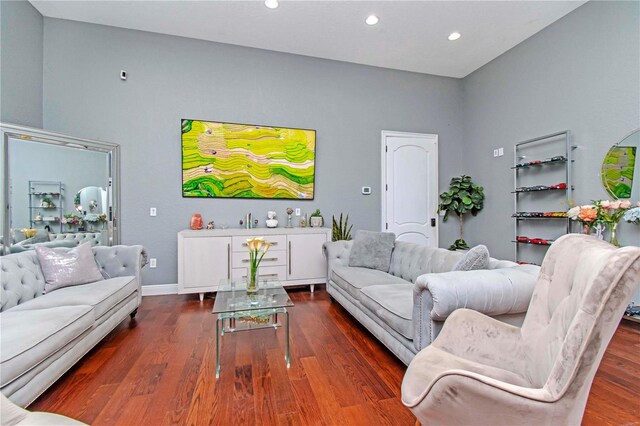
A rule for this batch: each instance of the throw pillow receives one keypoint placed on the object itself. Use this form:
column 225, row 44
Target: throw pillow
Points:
column 372, row 250
column 476, row 258
column 64, row 268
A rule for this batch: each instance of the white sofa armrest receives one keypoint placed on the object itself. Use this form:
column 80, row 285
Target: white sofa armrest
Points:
column 337, row 254
column 120, row 261
column 491, row 292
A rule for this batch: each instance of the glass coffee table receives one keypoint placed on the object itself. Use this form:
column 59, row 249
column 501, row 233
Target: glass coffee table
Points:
column 238, row 311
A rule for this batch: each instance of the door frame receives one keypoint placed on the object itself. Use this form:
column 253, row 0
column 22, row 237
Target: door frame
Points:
column 383, row 178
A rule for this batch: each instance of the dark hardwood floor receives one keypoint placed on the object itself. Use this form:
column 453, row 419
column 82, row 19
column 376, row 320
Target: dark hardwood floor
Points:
column 160, row 370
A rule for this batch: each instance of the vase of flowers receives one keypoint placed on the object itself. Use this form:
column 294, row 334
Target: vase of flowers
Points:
column 600, row 215
column 71, row 220
column 257, row 248
column 586, row 215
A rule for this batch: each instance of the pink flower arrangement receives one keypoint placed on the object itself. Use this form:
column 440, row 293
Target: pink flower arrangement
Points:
column 601, row 214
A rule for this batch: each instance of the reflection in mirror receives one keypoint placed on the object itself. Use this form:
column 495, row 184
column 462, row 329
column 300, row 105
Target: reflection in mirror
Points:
column 620, row 168
column 46, row 178
column 91, row 204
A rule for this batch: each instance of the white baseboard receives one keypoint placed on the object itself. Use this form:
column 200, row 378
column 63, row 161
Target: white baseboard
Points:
column 159, row 290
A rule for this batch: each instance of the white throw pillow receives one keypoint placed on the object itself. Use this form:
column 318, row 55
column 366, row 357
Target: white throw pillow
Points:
column 64, row 268
column 476, row 258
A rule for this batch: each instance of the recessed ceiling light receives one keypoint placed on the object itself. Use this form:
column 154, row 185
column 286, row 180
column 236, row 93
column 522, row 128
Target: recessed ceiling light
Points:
column 271, row 4
column 454, row 36
column 372, row 20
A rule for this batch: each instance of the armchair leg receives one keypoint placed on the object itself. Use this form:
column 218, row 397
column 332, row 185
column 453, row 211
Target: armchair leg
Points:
column 133, row 314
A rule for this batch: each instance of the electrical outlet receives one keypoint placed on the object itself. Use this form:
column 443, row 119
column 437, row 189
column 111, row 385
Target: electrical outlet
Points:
column 297, row 212
column 500, row 152
column 152, row 262
column 495, row 152
column 152, row 211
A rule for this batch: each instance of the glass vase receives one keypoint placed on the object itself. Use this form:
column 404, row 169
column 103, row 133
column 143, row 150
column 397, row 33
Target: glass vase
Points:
column 252, row 279
column 614, row 239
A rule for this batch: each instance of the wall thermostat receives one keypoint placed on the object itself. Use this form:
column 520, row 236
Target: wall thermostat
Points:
column 123, row 75
column 366, row 190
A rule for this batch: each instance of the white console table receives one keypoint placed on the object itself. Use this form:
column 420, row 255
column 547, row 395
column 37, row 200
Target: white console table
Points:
column 206, row 256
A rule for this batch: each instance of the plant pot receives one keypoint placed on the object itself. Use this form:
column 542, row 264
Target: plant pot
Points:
column 316, row 221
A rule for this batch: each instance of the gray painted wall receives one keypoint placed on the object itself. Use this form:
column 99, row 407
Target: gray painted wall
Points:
column 21, row 40
column 582, row 73
column 172, row 78
column 75, row 168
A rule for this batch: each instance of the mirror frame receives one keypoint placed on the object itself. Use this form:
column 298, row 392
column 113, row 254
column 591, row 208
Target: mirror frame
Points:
column 602, row 178
column 13, row 131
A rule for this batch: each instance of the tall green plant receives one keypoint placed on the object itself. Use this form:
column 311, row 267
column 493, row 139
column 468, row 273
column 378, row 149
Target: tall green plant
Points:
column 340, row 230
column 463, row 197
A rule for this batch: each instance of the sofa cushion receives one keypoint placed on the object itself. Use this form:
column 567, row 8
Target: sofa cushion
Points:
column 27, row 338
column 476, row 258
column 102, row 296
column 67, row 268
column 393, row 304
column 352, row 279
column 372, row 250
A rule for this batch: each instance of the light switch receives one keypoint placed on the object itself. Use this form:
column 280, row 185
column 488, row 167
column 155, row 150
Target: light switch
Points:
column 297, row 212
column 500, row 152
column 152, row 211
column 152, row 262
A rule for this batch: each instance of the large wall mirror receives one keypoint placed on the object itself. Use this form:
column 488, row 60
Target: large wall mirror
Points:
column 621, row 168
column 57, row 190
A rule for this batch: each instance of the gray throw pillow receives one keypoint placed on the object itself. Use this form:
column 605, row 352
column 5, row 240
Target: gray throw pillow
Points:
column 64, row 268
column 372, row 250
column 476, row 258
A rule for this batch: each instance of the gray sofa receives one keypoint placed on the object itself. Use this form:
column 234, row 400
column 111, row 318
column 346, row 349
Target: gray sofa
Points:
column 51, row 240
column 43, row 335
column 405, row 307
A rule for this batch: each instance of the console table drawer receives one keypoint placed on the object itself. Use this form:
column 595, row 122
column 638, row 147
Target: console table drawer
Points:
column 279, row 242
column 266, row 272
column 271, row 258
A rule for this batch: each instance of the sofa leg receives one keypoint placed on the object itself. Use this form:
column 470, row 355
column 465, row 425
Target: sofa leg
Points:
column 133, row 314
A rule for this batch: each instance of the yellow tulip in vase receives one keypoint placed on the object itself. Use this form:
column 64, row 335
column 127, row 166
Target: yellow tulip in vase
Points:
column 257, row 249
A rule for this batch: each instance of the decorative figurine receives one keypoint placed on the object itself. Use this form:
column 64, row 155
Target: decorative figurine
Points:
column 289, row 213
column 196, row 221
column 210, row 225
column 303, row 221
column 271, row 221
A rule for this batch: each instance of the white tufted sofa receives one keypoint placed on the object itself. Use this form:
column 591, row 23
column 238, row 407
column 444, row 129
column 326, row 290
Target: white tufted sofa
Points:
column 405, row 307
column 70, row 239
column 43, row 335
column 95, row 238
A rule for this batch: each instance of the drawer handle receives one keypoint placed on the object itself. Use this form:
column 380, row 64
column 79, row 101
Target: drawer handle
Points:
column 289, row 257
column 263, row 276
column 275, row 243
column 228, row 261
column 265, row 259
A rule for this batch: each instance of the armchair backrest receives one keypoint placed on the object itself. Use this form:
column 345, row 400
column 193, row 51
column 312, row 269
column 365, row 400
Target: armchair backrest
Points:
column 581, row 293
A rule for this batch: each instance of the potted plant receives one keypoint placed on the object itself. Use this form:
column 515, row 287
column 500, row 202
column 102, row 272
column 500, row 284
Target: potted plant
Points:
column 340, row 230
column 47, row 203
column 316, row 220
column 463, row 197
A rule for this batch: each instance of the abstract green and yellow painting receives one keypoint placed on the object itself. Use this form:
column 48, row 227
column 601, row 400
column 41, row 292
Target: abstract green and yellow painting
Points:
column 617, row 171
column 227, row 160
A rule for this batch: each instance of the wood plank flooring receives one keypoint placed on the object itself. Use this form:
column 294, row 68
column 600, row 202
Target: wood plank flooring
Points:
column 160, row 370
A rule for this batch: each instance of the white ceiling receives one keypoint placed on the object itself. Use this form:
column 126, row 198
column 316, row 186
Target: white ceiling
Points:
column 411, row 35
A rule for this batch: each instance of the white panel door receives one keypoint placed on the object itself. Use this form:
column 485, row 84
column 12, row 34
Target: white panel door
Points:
column 410, row 185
